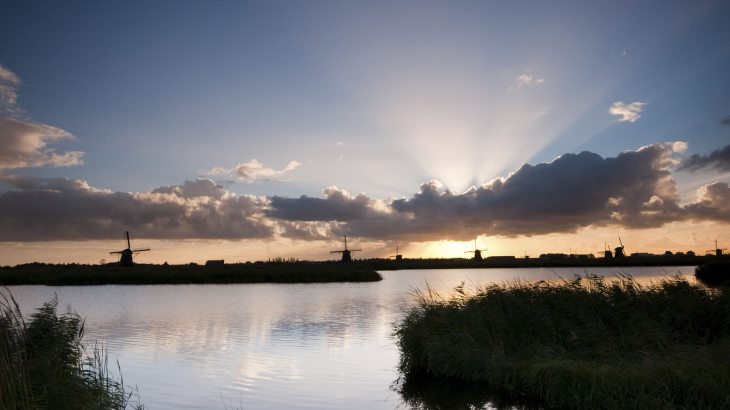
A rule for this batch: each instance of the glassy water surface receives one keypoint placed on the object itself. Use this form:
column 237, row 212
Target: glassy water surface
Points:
column 268, row 346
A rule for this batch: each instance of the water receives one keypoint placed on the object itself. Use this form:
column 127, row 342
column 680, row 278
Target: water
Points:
column 267, row 346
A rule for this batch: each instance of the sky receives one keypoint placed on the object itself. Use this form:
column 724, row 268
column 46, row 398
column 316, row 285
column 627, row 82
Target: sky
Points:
column 251, row 130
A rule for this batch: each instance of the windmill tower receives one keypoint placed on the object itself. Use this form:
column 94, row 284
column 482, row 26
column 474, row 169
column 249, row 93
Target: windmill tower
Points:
column 717, row 251
column 619, row 252
column 477, row 252
column 607, row 251
column 397, row 256
column 347, row 252
column 126, row 257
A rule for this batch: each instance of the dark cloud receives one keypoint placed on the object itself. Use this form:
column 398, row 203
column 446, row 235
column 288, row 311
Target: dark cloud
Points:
column 718, row 160
column 338, row 205
column 725, row 121
column 713, row 203
column 633, row 190
column 65, row 209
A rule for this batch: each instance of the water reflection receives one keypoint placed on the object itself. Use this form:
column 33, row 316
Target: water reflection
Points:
column 273, row 346
column 422, row 391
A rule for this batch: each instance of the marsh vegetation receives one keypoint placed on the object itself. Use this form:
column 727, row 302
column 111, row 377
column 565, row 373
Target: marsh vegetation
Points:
column 44, row 365
column 583, row 343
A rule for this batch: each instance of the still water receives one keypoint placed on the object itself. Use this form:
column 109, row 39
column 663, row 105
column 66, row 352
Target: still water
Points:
column 268, row 346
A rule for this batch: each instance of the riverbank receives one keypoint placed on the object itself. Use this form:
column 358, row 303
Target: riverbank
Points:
column 82, row 275
column 579, row 343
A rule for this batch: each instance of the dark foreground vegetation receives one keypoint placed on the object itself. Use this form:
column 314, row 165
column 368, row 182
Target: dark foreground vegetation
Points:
column 581, row 343
column 714, row 273
column 43, row 364
column 274, row 272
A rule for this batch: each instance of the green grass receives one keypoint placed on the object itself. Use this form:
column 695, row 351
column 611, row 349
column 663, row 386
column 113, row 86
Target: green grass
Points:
column 79, row 275
column 43, row 364
column 581, row 343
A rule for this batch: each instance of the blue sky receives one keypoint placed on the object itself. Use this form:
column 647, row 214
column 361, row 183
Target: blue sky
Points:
column 375, row 97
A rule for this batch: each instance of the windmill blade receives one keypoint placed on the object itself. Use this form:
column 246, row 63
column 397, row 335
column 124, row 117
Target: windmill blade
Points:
column 128, row 245
column 355, row 250
column 141, row 250
column 336, row 251
column 111, row 253
column 469, row 251
column 619, row 241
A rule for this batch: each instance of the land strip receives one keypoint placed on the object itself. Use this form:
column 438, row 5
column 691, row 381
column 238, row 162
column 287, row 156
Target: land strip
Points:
column 81, row 275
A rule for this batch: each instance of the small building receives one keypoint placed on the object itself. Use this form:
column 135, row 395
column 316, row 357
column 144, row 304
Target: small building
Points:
column 214, row 263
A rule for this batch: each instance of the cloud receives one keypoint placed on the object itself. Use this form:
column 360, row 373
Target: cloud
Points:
column 634, row 190
column 718, row 160
column 9, row 84
column 524, row 80
column 65, row 209
column 24, row 144
column 713, row 203
column 253, row 171
column 725, row 121
column 628, row 113
column 338, row 205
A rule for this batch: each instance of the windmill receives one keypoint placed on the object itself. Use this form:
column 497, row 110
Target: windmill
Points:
column 619, row 252
column 126, row 257
column 346, row 253
column 477, row 252
column 717, row 251
column 397, row 256
column 607, row 251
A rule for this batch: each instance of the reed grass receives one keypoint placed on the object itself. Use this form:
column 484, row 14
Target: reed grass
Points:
column 583, row 343
column 288, row 272
column 44, row 365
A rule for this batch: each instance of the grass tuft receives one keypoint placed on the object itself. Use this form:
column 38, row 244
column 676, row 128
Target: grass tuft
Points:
column 44, row 365
column 583, row 343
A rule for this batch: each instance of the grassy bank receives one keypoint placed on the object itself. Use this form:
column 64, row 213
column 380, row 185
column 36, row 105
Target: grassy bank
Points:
column 583, row 343
column 43, row 364
column 79, row 275
column 714, row 273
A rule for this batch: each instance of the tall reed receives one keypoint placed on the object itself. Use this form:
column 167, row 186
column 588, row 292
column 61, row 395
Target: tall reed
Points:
column 581, row 343
column 44, row 365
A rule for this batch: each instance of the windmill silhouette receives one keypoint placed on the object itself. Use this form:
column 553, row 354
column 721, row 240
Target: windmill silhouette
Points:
column 347, row 252
column 619, row 252
column 126, row 257
column 607, row 251
column 477, row 252
column 717, row 251
column 397, row 256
